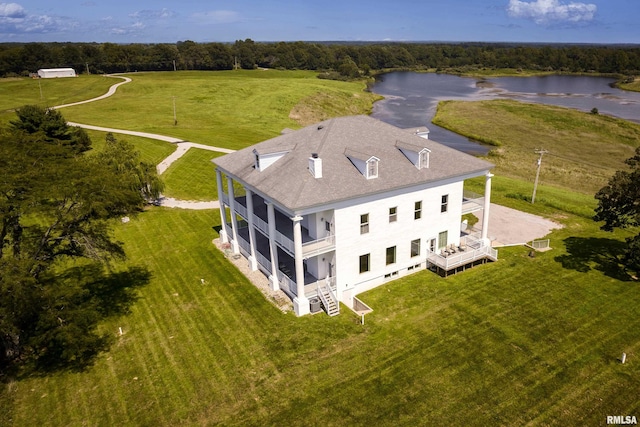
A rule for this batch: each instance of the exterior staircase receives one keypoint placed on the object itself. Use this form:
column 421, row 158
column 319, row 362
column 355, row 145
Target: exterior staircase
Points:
column 329, row 301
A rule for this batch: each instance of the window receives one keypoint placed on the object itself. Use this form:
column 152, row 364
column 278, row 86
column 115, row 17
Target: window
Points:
column 327, row 226
column 372, row 168
column 417, row 210
column 415, row 248
column 393, row 214
column 442, row 239
column 364, row 223
column 364, row 263
column 424, row 159
column 391, row 255
column 444, row 204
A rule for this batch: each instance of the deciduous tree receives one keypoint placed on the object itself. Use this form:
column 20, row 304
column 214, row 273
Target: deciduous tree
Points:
column 619, row 207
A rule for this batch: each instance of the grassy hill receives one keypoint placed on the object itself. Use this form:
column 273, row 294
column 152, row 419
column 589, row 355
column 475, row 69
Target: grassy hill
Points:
column 524, row 341
column 231, row 109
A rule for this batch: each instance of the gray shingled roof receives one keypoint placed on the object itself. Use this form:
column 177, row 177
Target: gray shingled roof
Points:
column 289, row 182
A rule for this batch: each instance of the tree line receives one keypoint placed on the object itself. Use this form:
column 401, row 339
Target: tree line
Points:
column 347, row 59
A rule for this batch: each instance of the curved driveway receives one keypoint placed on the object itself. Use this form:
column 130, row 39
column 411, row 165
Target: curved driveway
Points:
column 182, row 147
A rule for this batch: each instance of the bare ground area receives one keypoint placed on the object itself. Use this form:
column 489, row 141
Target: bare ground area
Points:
column 512, row 227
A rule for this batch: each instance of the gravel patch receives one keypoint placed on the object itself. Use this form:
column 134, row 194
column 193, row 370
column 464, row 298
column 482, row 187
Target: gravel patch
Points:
column 509, row 227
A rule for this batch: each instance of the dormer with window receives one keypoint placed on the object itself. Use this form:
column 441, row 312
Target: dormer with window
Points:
column 263, row 160
column 417, row 155
column 372, row 167
column 367, row 165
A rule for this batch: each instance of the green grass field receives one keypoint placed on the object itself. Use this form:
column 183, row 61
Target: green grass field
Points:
column 231, row 109
column 193, row 176
column 524, row 341
column 16, row 92
column 583, row 148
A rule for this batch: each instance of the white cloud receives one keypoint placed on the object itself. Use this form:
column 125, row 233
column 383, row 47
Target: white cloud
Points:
column 153, row 14
column 547, row 12
column 218, row 16
column 14, row 20
column 12, row 10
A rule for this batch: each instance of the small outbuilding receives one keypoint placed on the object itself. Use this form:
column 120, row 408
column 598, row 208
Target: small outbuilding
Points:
column 52, row 73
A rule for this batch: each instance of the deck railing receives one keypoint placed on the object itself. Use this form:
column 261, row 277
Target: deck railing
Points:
column 461, row 257
column 319, row 246
column 472, row 202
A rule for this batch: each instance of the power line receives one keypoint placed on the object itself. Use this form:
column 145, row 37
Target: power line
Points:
column 535, row 184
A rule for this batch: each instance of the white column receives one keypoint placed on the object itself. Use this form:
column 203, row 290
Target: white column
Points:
column 224, row 237
column 300, row 302
column 487, row 204
column 253, row 263
column 273, row 248
column 234, row 221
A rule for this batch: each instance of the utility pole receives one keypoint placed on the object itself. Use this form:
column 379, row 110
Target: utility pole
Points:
column 535, row 184
column 174, row 65
column 40, row 86
column 87, row 64
column 175, row 118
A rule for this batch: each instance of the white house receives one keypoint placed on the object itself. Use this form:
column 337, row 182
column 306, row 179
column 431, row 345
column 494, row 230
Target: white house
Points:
column 52, row 73
column 345, row 205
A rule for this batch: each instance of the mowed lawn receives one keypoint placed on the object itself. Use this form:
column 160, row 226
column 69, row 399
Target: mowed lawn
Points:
column 17, row 92
column 521, row 341
column 193, row 176
column 231, row 109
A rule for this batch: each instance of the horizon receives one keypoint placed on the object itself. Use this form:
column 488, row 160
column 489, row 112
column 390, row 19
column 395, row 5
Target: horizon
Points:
column 592, row 22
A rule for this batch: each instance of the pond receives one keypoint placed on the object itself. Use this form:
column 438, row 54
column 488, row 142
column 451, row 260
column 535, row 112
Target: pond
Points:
column 411, row 98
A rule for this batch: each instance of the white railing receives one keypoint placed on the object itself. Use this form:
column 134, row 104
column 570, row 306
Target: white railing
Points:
column 286, row 284
column 245, row 247
column 263, row 263
column 225, row 198
column 316, row 247
column 325, row 286
column 469, row 255
column 261, row 225
column 285, row 242
column 241, row 210
column 540, row 244
column 311, row 289
column 472, row 202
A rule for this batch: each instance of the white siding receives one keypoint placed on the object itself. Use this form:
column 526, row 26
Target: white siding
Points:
column 350, row 244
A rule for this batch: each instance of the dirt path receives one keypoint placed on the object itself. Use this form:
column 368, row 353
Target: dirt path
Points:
column 182, row 147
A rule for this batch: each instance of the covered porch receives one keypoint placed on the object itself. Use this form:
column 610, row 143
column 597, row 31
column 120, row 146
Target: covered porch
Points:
column 286, row 265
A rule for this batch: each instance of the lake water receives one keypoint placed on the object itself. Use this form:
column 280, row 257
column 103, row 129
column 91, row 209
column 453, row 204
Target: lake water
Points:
column 411, row 98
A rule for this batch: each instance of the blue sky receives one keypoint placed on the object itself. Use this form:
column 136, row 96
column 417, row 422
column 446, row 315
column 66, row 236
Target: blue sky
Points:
column 162, row 21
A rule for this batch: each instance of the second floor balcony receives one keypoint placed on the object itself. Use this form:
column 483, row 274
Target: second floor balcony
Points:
column 284, row 227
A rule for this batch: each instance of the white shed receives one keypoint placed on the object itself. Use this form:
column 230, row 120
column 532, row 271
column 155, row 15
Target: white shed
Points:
column 51, row 73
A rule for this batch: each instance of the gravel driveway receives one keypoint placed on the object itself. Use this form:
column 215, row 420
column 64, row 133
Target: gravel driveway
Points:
column 512, row 227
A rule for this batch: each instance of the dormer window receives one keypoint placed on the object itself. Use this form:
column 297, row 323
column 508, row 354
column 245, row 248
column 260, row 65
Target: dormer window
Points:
column 372, row 168
column 367, row 165
column 417, row 155
column 262, row 160
column 423, row 161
